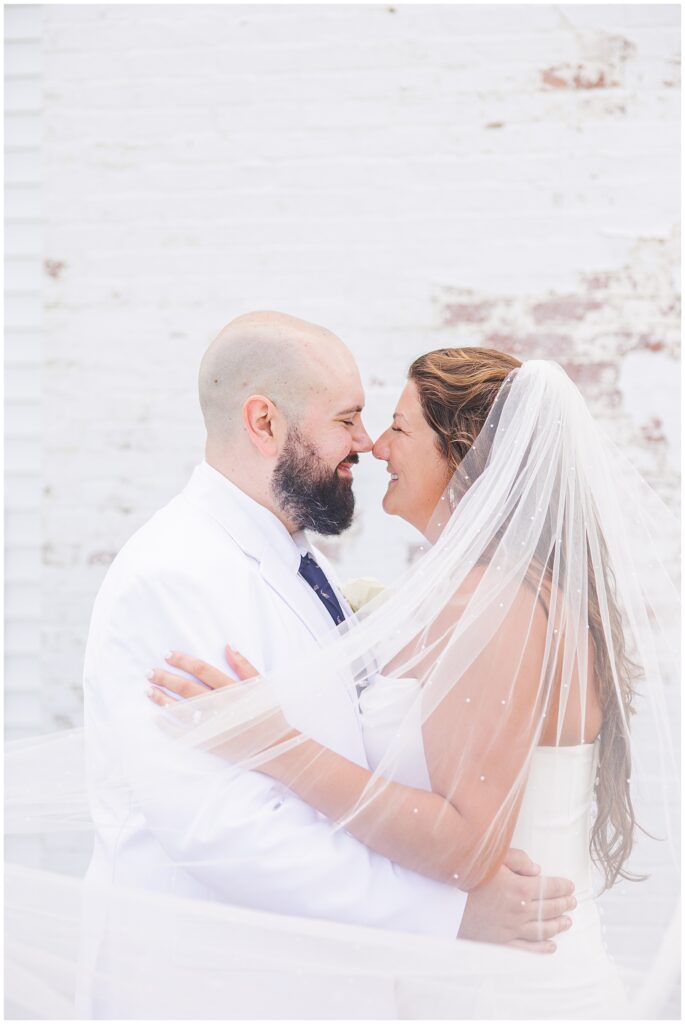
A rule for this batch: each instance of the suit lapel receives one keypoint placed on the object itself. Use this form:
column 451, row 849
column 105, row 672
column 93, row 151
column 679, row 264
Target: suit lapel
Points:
column 260, row 535
column 262, row 538
column 300, row 598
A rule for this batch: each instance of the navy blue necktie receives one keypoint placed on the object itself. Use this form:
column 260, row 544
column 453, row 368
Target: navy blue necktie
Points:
column 312, row 572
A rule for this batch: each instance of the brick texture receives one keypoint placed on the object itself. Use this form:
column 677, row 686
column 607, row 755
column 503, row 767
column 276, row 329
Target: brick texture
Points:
column 25, row 709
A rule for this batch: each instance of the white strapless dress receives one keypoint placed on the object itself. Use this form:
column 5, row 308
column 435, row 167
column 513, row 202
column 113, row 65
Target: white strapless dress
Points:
column 579, row 981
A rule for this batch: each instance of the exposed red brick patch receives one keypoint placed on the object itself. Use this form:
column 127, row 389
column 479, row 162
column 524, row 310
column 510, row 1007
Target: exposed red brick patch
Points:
column 564, row 308
column 579, row 76
column 554, row 80
column 599, row 67
column 587, row 329
column 651, row 344
column 466, row 312
column 597, row 381
column 586, row 373
column 54, row 268
column 505, row 342
column 598, row 282
column 543, row 345
column 653, row 432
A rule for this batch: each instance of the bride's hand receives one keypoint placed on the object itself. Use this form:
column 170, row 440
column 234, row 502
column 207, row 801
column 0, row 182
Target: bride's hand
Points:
column 210, row 678
column 267, row 729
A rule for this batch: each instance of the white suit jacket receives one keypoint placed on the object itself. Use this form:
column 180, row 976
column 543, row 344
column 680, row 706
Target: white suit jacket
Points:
column 212, row 567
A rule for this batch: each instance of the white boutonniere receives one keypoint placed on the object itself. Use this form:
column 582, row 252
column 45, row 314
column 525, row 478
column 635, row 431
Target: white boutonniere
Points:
column 359, row 592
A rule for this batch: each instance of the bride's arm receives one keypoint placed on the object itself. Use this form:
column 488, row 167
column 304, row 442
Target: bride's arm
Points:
column 417, row 829
column 333, row 785
column 448, row 833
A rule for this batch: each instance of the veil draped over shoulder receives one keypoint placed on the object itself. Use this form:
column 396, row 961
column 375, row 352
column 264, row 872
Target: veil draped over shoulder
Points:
column 540, row 620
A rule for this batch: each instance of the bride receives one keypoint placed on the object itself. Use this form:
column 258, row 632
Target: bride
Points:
column 502, row 670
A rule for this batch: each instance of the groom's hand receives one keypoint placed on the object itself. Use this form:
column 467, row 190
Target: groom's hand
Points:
column 519, row 907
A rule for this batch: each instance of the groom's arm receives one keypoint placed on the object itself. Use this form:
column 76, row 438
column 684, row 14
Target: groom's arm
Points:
column 248, row 841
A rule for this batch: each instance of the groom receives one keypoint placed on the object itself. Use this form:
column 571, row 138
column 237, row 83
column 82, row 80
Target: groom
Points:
column 227, row 560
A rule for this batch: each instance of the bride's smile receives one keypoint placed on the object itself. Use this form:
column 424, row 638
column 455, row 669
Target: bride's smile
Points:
column 418, row 471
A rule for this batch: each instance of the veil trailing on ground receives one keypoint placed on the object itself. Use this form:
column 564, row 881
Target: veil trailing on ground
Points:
column 541, row 621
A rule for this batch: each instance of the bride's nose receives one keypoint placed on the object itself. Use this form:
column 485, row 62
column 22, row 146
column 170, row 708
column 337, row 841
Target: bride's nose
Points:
column 380, row 449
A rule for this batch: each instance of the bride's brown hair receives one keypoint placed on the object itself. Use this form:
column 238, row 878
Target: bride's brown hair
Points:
column 457, row 388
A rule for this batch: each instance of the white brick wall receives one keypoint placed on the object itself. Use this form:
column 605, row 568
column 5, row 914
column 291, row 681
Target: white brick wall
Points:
column 410, row 176
column 24, row 708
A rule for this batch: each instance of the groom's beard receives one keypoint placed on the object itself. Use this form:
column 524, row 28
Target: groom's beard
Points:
column 310, row 494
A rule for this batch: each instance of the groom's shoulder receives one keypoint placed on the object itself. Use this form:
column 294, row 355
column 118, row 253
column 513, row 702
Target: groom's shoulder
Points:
column 178, row 540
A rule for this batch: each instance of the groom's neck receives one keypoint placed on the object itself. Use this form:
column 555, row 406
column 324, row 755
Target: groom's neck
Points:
column 250, row 479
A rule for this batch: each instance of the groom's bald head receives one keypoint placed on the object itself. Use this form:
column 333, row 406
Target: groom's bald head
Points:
column 282, row 402
column 285, row 359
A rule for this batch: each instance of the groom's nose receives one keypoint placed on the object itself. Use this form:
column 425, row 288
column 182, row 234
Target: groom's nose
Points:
column 361, row 442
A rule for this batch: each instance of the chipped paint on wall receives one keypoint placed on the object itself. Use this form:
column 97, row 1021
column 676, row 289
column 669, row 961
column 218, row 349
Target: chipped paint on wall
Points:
column 619, row 327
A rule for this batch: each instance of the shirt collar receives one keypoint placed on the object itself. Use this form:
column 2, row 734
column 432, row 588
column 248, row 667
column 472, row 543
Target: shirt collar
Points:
column 251, row 525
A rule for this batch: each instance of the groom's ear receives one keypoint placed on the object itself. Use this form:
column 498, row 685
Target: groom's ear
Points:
column 260, row 416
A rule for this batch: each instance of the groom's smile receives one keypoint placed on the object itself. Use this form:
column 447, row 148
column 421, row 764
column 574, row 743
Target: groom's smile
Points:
column 313, row 477
column 345, row 467
column 312, row 494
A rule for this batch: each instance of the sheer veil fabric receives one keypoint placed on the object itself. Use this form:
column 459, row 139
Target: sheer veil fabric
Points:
column 529, row 655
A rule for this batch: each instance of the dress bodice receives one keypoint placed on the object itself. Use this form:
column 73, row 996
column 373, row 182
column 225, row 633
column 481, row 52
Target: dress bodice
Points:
column 386, row 706
column 553, row 828
column 555, row 818
column 553, row 825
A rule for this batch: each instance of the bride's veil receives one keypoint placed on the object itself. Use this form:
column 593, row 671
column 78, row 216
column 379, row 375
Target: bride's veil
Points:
column 541, row 620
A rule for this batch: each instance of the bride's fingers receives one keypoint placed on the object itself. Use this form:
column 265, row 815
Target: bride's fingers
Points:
column 158, row 698
column 207, row 674
column 533, row 947
column 536, row 931
column 243, row 668
column 177, row 684
column 546, row 910
column 547, row 887
column 182, row 718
